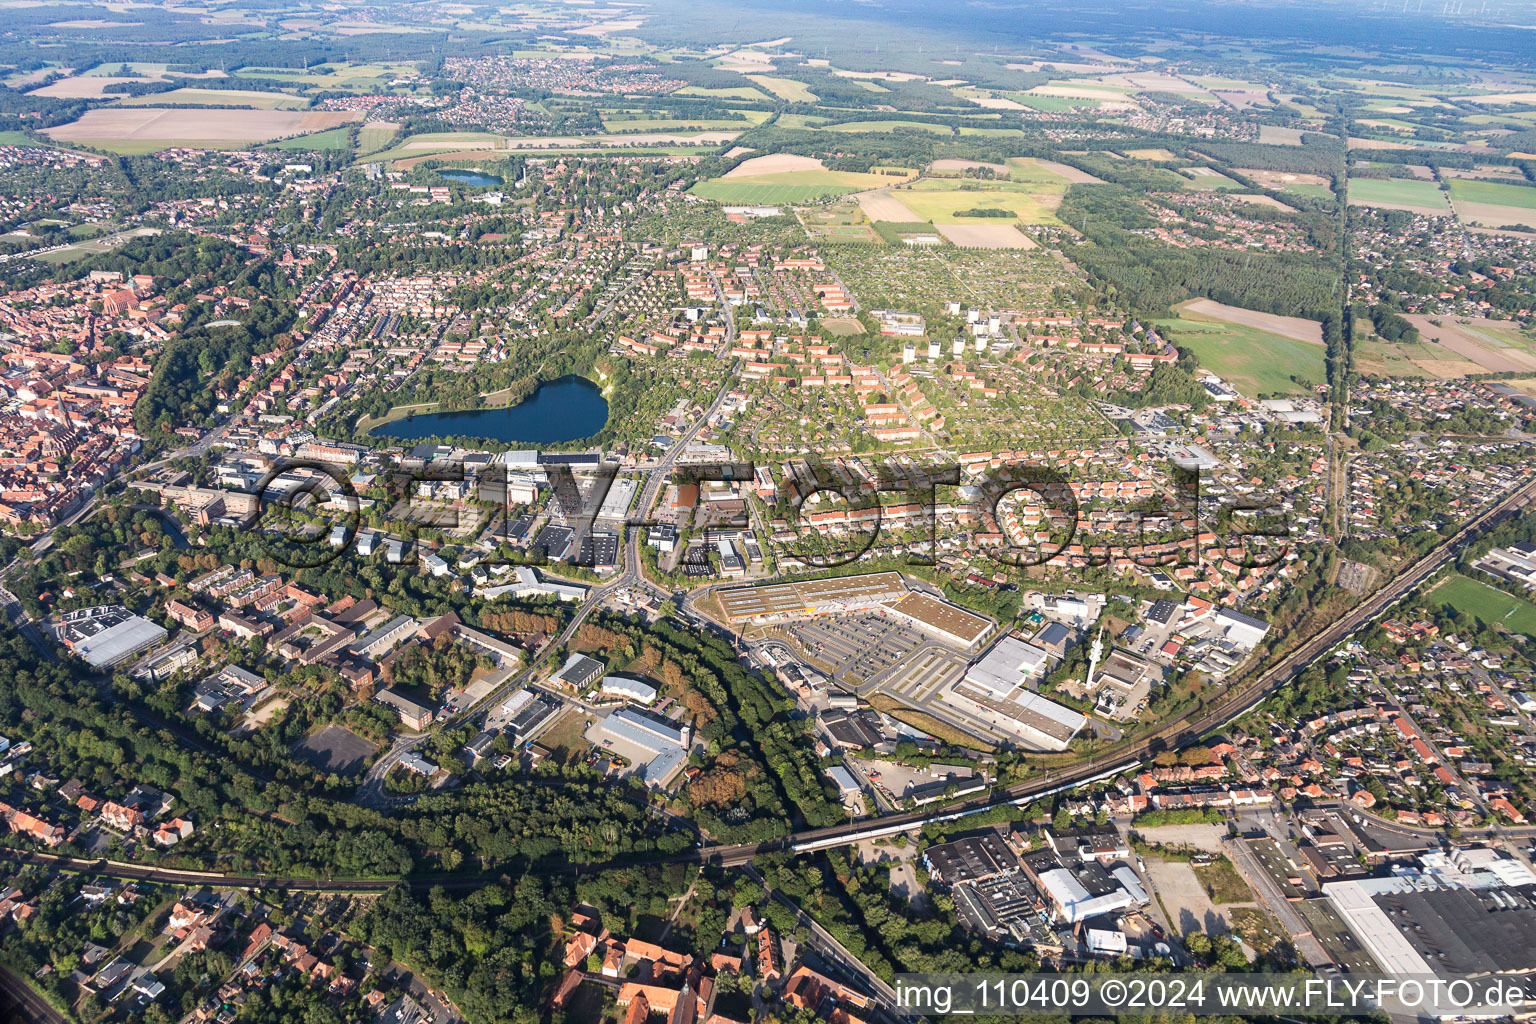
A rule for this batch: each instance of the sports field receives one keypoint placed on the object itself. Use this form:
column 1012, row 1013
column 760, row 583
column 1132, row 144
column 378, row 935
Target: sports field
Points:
column 1398, row 194
column 1487, row 604
column 1253, row 361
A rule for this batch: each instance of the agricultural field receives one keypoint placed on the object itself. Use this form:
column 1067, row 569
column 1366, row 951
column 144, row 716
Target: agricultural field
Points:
column 947, row 205
column 376, row 135
column 1494, row 346
column 785, row 88
column 794, row 188
column 334, row 77
column 886, row 126
column 1253, row 361
column 1052, row 104
column 1207, row 179
column 331, row 139
column 1398, row 194
column 1487, row 604
column 1294, row 327
column 148, row 129
column 1493, row 204
column 785, row 178
column 218, row 98
column 738, row 93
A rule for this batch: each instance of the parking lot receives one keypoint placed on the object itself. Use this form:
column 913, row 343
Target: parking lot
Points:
column 856, row 648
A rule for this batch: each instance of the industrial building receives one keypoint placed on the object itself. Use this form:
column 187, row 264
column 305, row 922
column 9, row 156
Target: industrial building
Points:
column 941, row 619
column 626, row 688
column 777, row 602
column 1008, row 665
column 578, row 672
column 522, row 715
column 654, row 746
column 107, row 635
column 1472, row 911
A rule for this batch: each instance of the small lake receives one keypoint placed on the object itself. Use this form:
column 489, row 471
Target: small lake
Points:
column 566, row 409
column 479, row 179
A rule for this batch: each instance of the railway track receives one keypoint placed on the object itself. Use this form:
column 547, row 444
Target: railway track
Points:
column 1231, row 705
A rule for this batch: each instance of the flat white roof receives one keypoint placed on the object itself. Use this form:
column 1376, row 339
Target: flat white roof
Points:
column 1006, row 666
column 115, row 643
column 1371, row 925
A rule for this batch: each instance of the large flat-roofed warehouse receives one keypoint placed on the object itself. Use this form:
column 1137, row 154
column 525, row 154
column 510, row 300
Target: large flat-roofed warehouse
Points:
column 1471, row 912
column 654, row 746
column 1007, row 666
column 1028, row 719
column 942, row 619
column 107, row 635
column 779, row 601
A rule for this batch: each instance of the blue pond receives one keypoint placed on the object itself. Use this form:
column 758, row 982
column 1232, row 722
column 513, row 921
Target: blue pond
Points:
column 566, row 409
column 467, row 177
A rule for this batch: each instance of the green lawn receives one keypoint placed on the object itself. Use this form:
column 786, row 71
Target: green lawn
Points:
column 1397, row 192
column 1486, row 604
column 1494, row 193
column 1253, row 361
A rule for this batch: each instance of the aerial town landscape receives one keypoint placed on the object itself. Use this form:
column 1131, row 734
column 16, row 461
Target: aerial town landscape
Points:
column 583, row 511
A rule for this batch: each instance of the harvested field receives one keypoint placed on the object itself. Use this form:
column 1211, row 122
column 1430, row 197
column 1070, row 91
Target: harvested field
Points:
column 218, row 98
column 1269, row 201
column 988, row 102
column 882, row 205
column 1272, row 135
column 952, row 164
column 1488, row 216
column 1280, row 179
column 1072, row 174
column 1502, row 98
column 987, row 236
column 774, row 163
column 83, row 87
column 1293, row 327
column 1496, row 348
column 481, row 142
column 192, row 127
